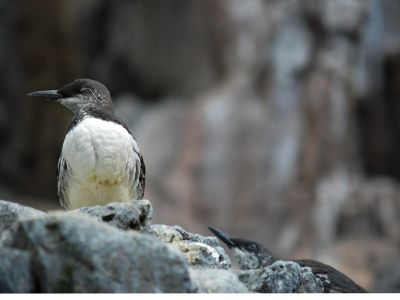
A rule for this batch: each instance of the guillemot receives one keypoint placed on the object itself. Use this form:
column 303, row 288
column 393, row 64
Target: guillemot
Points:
column 252, row 255
column 100, row 161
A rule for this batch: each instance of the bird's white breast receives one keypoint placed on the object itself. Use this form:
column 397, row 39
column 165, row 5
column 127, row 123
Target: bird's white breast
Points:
column 99, row 155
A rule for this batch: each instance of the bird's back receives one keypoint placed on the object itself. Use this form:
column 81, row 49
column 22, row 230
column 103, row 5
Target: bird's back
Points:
column 332, row 279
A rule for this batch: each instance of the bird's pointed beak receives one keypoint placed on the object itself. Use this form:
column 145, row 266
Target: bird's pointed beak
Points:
column 223, row 237
column 50, row 94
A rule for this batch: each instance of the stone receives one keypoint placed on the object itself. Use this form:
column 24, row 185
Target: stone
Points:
column 281, row 277
column 135, row 215
column 15, row 271
column 200, row 251
column 343, row 15
column 11, row 212
column 73, row 253
column 387, row 278
column 215, row 281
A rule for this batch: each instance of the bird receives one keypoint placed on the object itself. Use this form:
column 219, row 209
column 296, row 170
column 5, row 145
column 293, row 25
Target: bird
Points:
column 252, row 255
column 100, row 160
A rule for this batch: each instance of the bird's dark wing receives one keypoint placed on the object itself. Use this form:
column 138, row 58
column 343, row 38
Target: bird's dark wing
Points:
column 332, row 279
column 63, row 173
column 137, row 176
column 142, row 177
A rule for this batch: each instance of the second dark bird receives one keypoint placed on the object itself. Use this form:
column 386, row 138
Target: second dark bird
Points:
column 252, row 255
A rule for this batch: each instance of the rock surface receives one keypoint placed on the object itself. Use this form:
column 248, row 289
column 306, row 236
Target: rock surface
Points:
column 15, row 271
column 78, row 254
column 387, row 278
column 281, row 277
column 215, row 281
column 199, row 250
column 11, row 212
column 92, row 250
column 134, row 215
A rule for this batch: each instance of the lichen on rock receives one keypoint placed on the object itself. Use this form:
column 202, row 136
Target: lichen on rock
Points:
column 200, row 251
column 281, row 277
column 133, row 215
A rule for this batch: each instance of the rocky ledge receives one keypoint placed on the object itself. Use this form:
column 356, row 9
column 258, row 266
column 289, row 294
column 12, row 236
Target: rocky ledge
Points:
column 115, row 248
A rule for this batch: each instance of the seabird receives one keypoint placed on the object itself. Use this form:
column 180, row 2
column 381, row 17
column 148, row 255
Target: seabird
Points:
column 100, row 161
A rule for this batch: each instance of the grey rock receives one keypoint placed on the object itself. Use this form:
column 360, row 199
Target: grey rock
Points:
column 11, row 212
column 281, row 277
column 292, row 48
column 134, row 215
column 15, row 271
column 74, row 253
column 215, row 281
column 387, row 278
column 343, row 15
column 200, row 251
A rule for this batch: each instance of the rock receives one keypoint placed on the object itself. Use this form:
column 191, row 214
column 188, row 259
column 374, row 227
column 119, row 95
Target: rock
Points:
column 343, row 15
column 200, row 251
column 74, row 253
column 215, row 281
column 15, row 271
column 387, row 278
column 10, row 212
column 134, row 215
column 202, row 255
column 281, row 277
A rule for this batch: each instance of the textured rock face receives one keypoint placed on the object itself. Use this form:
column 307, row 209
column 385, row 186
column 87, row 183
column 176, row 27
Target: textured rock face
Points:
column 92, row 250
column 216, row 281
column 78, row 254
column 281, row 277
column 11, row 212
column 199, row 250
column 15, row 271
column 135, row 215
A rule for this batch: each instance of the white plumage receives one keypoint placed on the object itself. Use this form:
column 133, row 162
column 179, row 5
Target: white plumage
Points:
column 102, row 164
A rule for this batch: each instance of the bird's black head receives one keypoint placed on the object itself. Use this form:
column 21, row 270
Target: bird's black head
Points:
column 250, row 254
column 80, row 95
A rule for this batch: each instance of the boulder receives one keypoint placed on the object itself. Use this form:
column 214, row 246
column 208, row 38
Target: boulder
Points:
column 72, row 253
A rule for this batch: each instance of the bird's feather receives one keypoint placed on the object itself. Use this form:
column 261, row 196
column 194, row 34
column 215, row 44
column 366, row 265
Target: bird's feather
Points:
column 142, row 177
column 332, row 279
column 63, row 174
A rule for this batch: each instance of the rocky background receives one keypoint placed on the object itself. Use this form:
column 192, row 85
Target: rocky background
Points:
column 272, row 120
